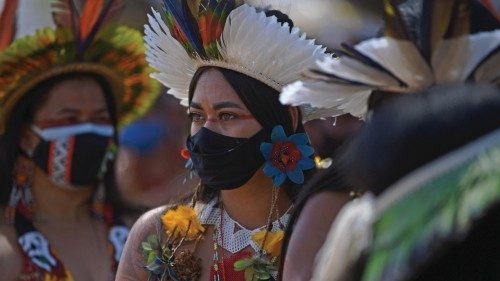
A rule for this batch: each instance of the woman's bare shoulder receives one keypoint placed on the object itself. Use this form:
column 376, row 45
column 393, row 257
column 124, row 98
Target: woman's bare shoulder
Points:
column 10, row 257
column 131, row 265
column 150, row 222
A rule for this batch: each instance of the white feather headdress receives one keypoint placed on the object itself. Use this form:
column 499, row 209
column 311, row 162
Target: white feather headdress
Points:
column 400, row 63
column 250, row 43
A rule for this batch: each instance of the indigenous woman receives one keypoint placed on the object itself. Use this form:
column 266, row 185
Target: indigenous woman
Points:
column 227, row 64
column 63, row 94
column 426, row 43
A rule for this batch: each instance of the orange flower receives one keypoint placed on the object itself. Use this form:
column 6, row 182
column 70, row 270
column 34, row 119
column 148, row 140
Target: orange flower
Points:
column 273, row 241
column 182, row 221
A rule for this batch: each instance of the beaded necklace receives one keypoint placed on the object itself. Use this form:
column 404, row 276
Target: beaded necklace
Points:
column 217, row 258
column 218, row 267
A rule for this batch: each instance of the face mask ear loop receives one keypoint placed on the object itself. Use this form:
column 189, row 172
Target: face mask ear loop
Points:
column 36, row 130
column 29, row 153
column 111, row 151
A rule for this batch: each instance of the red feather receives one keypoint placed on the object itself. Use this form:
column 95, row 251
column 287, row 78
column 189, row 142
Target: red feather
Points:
column 90, row 14
column 7, row 23
column 489, row 5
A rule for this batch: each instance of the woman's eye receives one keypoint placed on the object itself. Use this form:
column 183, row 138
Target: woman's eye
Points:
column 102, row 120
column 196, row 117
column 70, row 120
column 227, row 116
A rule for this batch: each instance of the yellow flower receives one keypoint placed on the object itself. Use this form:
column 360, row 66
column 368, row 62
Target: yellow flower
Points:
column 51, row 277
column 182, row 221
column 273, row 241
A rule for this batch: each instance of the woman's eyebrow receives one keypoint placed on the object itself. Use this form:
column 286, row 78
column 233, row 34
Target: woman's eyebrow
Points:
column 226, row 104
column 101, row 110
column 66, row 110
column 195, row 105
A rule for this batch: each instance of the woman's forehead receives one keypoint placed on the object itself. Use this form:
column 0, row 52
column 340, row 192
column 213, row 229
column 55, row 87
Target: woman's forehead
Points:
column 75, row 94
column 212, row 88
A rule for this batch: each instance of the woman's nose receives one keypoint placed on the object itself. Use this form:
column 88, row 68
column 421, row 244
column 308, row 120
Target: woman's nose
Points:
column 213, row 125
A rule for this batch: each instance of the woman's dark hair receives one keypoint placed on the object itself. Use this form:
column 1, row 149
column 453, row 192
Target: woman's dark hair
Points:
column 23, row 114
column 416, row 129
column 262, row 101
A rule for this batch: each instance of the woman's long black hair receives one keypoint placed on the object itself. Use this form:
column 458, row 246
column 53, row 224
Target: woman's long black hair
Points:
column 23, row 114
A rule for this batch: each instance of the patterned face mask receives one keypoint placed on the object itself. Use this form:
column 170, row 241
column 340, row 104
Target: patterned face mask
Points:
column 73, row 155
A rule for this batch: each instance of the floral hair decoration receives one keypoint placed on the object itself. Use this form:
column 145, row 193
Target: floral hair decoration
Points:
column 287, row 157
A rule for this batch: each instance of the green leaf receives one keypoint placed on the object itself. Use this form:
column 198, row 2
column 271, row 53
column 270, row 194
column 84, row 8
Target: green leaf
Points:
column 249, row 274
column 243, row 264
column 166, row 253
column 151, row 257
column 263, row 275
column 153, row 241
column 146, row 246
column 260, row 269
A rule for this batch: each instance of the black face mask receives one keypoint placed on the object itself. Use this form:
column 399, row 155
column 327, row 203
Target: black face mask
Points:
column 224, row 162
column 75, row 160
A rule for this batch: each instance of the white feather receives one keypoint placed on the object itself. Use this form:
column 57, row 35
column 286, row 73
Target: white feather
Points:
column 245, row 41
column 353, row 70
column 339, row 98
column 174, row 65
column 453, row 61
column 402, row 59
column 489, row 71
column 455, row 58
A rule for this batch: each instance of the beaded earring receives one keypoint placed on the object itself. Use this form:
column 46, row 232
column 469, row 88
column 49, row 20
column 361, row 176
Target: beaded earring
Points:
column 20, row 198
column 99, row 198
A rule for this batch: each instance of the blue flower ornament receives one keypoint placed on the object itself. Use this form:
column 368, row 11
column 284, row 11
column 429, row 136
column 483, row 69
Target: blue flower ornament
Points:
column 287, row 156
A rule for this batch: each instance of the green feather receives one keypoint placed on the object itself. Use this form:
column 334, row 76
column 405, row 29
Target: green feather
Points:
column 441, row 210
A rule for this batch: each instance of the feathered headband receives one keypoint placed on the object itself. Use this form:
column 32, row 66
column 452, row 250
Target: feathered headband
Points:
column 222, row 34
column 433, row 45
column 81, row 44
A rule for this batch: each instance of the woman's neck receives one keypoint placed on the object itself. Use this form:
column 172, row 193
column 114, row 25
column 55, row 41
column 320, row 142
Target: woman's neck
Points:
column 53, row 203
column 250, row 204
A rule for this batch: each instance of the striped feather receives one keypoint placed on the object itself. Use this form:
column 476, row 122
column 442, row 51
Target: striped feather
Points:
column 92, row 10
column 184, row 25
column 95, row 14
column 211, row 24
